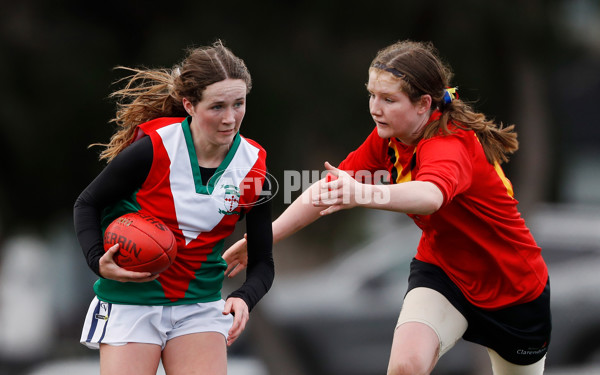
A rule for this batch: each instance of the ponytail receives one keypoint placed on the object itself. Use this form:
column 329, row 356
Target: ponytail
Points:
column 498, row 142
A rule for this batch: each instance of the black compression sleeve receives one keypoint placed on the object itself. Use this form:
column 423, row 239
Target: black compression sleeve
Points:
column 261, row 269
column 121, row 177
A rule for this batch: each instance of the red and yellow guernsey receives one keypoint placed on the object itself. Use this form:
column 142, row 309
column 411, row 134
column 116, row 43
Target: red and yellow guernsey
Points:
column 201, row 216
column 477, row 237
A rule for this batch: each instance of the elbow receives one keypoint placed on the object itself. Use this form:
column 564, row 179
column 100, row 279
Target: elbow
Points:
column 430, row 207
column 271, row 273
column 77, row 203
column 432, row 200
column 82, row 201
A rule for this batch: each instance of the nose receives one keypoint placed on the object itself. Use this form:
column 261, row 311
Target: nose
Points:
column 229, row 116
column 374, row 107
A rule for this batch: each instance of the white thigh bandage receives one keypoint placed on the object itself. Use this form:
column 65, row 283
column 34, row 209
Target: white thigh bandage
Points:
column 427, row 306
column 501, row 366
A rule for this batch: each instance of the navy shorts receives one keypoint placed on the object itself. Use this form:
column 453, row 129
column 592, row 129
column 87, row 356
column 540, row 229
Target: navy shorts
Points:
column 520, row 334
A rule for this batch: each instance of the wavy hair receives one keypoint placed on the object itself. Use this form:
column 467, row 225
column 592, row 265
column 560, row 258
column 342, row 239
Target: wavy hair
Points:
column 152, row 93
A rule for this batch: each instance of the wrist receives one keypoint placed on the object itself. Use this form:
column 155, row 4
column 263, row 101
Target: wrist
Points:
column 376, row 196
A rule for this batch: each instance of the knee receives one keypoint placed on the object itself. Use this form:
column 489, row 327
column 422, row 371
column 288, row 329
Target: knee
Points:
column 412, row 365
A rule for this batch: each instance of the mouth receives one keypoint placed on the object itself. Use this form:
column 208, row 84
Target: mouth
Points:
column 228, row 131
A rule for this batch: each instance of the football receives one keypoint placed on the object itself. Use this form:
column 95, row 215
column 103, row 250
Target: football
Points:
column 146, row 244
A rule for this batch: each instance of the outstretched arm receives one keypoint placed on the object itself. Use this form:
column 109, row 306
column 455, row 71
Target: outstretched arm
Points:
column 298, row 215
column 344, row 192
column 413, row 197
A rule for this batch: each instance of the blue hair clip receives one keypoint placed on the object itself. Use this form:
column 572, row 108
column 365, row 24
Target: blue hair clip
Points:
column 450, row 94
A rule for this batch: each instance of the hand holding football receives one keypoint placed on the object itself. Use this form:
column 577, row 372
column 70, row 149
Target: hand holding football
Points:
column 146, row 244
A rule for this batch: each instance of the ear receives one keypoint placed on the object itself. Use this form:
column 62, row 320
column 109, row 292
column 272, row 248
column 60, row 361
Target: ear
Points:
column 424, row 104
column 188, row 106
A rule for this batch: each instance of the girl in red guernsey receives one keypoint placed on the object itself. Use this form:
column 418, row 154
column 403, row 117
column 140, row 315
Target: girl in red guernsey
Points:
column 478, row 272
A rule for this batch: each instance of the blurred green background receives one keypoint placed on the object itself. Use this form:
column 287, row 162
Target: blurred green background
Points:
column 532, row 63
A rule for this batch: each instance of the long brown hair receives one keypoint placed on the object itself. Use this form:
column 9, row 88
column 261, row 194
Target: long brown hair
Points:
column 420, row 71
column 152, row 93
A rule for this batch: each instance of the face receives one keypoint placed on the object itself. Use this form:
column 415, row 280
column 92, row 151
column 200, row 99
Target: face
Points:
column 218, row 116
column 393, row 112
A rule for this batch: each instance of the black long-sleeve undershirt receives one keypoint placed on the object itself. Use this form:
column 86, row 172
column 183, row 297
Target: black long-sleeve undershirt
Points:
column 124, row 175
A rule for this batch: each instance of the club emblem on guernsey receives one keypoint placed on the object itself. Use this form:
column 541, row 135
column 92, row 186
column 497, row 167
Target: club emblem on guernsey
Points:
column 231, row 200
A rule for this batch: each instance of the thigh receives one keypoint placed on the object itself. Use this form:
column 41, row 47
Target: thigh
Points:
column 195, row 354
column 118, row 324
column 500, row 366
column 427, row 327
column 414, row 349
column 431, row 308
column 520, row 334
column 132, row 358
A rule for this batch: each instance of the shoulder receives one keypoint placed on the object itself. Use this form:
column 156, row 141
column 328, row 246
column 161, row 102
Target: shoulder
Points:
column 457, row 135
column 459, row 145
column 251, row 144
column 135, row 157
column 152, row 126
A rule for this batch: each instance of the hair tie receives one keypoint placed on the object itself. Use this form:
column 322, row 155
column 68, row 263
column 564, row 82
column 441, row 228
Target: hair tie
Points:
column 450, row 94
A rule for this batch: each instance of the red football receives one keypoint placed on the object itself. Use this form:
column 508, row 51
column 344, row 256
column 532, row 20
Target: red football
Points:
column 146, row 244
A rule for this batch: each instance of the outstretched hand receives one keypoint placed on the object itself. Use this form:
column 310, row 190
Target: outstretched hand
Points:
column 339, row 193
column 236, row 257
column 109, row 269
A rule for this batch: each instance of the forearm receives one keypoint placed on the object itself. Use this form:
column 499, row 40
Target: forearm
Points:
column 261, row 269
column 86, row 219
column 298, row 214
column 414, row 197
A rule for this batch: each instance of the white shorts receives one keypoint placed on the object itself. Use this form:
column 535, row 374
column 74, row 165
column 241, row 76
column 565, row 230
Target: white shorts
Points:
column 117, row 324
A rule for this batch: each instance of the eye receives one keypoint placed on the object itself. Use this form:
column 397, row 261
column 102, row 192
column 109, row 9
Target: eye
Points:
column 216, row 107
column 389, row 100
column 238, row 104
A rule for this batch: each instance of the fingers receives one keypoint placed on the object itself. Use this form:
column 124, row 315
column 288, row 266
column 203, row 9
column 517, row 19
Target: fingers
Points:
column 111, row 252
column 236, row 270
column 109, row 269
column 120, row 274
column 331, row 209
column 337, row 191
column 332, row 169
column 332, row 180
column 227, row 308
column 140, row 277
column 330, row 193
column 236, row 257
column 230, row 267
column 238, row 307
column 107, row 263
